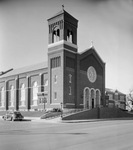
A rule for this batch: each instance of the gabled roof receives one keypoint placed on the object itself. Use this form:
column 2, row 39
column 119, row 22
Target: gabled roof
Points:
column 113, row 91
column 89, row 51
column 30, row 68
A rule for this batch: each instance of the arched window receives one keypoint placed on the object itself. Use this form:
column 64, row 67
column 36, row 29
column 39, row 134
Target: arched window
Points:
column 35, row 91
column 69, row 36
column 98, row 98
column 2, row 96
column 12, row 93
column 22, row 95
column 86, row 98
column 56, row 34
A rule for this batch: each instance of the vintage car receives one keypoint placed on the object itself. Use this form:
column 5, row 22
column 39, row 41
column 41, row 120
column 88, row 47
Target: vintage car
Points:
column 12, row 116
column 52, row 113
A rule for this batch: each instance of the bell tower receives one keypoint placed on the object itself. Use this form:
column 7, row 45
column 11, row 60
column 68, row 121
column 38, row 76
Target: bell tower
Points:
column 62, row 46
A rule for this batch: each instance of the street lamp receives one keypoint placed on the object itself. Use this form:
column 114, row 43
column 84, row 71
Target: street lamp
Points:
column 116, row 98
column 61, row 109
column 44, row 100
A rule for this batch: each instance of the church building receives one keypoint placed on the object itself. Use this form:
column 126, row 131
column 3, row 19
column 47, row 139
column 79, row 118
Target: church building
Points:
column 68, row 78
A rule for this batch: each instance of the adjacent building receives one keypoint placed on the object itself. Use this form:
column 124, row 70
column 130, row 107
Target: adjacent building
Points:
column 115, row 98
column 68, row 78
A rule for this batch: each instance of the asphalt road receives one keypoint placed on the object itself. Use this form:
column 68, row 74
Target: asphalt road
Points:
column 101, row 135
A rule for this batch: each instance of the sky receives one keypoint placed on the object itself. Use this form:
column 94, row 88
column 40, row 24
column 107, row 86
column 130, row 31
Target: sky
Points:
column 108, row 23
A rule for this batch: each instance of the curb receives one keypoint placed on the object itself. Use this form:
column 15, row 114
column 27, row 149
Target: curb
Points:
column 59, row 120
column 96, row 120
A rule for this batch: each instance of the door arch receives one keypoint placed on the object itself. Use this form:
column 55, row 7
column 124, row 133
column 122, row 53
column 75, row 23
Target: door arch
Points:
column 86, row 98
column 98, row 98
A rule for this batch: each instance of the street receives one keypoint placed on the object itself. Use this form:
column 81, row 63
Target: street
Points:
column 100, row 135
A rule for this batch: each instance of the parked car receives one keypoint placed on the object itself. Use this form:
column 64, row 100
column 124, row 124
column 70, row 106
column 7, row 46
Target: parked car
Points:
column 52, row 113
column 11, row 116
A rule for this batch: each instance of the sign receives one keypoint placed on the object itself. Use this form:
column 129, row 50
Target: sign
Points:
column 41, row 95
column 44, row 100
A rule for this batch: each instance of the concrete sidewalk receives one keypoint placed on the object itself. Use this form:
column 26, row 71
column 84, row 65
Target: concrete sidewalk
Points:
column 59, row 120
column 38, row 119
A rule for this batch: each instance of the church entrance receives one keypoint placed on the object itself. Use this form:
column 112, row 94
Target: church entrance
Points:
column 91, row 98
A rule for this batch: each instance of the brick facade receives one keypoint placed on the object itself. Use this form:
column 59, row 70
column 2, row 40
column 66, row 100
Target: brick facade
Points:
column 65, row 79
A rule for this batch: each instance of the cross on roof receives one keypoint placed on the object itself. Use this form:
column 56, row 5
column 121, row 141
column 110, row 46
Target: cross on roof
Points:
column 62, row 7
column 91, row 43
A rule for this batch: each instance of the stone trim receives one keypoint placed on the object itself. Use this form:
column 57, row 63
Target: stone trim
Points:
column 62, row 42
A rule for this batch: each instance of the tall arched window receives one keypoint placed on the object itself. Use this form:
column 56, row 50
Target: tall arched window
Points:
column 56, row 34
column 11, row 99
column 22, row 95
column 86, row 98
column 98, row 98
column 35, row 91
column 69, row 36
column 2, row 96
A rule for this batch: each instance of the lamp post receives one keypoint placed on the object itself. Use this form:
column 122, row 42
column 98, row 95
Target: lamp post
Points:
column 61, row 109
column 44, row 100
column 116, row 98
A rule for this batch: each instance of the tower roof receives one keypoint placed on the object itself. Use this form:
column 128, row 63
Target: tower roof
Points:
column 62, row 12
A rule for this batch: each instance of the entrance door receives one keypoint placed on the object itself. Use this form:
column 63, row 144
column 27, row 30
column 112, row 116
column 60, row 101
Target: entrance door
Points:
column 92, row 98
column 92, row 103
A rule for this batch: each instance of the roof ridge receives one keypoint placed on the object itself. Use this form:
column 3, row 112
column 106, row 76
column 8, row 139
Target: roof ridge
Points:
column 92, row 48
column 31, row 65
column 113, row 90
column 25, row 69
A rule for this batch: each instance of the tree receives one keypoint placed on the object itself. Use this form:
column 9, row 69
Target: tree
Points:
column 129, row 100
column 131, row 95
